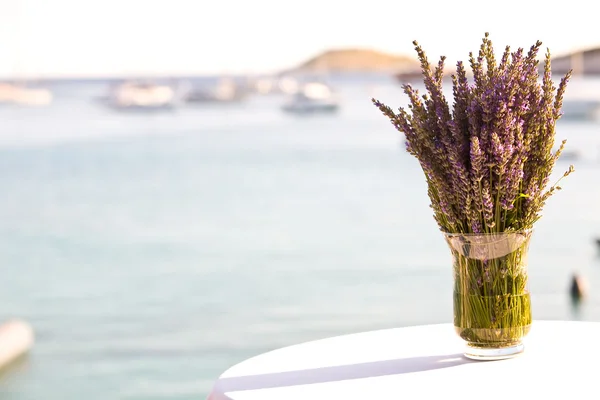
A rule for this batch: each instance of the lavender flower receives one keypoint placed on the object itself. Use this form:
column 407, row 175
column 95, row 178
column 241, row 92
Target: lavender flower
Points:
column 488, row 158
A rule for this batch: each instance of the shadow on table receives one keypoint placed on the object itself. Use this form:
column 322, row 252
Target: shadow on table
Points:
column 340, row 373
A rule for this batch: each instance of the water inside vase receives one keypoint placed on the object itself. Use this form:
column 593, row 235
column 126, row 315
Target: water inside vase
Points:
column 492, row 321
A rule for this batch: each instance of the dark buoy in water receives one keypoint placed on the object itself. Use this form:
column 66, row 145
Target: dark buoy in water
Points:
column 578, row 289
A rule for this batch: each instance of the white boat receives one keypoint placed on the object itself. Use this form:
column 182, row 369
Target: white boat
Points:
column 24, row 95
column 287, row 85
column 16, row 340
column 226, row 90
column 582, row 109
column 142, row 96
column 312, row 97
column 282, row 85
column 21, row 91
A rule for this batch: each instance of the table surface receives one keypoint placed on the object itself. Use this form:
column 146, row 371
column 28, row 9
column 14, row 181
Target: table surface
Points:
column 420, row 362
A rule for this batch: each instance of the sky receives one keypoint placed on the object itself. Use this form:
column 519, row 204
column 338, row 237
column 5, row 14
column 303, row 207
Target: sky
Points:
column 45, row 38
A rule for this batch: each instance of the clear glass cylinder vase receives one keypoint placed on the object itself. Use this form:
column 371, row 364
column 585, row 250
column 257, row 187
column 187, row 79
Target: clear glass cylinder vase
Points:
column 492, row 304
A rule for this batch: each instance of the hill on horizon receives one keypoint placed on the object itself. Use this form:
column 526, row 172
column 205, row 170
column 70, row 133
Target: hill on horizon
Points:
column 357, row 60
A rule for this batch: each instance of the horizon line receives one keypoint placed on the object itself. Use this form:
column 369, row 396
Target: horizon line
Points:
column 265, row 73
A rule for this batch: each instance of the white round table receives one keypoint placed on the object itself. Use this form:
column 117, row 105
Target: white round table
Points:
column 422, row 362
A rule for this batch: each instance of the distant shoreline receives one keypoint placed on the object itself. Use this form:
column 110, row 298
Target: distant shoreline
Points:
column 338, row 61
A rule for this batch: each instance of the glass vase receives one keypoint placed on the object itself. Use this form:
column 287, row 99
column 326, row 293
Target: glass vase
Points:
column 492, row 304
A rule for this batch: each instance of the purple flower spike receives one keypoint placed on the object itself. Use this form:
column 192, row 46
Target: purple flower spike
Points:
column 488, row 158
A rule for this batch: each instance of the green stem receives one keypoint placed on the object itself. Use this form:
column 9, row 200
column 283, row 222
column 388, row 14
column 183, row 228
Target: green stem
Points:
column 492, row 312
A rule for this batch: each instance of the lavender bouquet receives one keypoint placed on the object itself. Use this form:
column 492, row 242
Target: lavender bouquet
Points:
column 487, row 162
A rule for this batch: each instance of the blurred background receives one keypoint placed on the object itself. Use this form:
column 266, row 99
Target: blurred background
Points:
column 186, row 184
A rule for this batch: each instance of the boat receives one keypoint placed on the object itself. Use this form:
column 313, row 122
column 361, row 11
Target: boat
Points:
column 16, row 340
column 409, row 76
column 142, row 96
column 226, row 90
column 20, row 90
column 275, row 85
column 312, row 97
column 24, row 95
column 569, row 155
